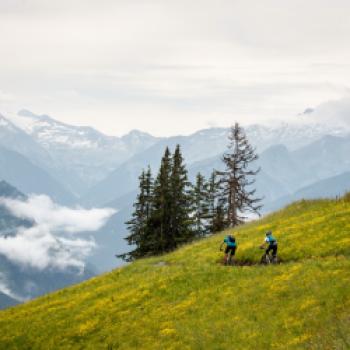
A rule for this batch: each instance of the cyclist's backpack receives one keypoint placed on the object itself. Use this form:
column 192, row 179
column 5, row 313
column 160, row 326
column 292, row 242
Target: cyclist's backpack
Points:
column 272, row 240
column 232, row 239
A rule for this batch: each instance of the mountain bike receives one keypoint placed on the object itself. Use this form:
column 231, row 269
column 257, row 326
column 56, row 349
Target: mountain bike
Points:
column 229, row 259
column 268, row 258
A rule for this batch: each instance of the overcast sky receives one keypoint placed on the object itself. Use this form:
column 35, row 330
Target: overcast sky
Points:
column 170, row 67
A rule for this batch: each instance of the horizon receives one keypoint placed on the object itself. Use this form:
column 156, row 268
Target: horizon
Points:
column 272, row 123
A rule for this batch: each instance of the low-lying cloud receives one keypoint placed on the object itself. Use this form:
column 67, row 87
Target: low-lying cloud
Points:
column 55, row 239
column 334, row 112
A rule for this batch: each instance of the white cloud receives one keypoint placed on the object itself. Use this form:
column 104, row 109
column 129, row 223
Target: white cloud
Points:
column 332, row 112
column 52, row 241
column 4, row 288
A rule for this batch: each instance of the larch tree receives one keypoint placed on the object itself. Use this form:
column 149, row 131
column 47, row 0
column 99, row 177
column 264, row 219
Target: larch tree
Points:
column 238, row 177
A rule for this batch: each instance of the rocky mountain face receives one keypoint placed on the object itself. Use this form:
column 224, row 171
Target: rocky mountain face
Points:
column 79, row 150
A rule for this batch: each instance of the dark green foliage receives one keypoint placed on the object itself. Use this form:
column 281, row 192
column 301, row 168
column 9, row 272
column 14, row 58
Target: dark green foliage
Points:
column 171, row 211
column 216, row 205
column 161, row 220
column 138, row 225
column 162, row 239
column 181, row 230
column 200, row 205
column 219, row 222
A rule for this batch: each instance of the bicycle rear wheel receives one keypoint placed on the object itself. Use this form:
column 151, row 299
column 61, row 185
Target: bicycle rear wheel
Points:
column 265, row 259
column 229, row 258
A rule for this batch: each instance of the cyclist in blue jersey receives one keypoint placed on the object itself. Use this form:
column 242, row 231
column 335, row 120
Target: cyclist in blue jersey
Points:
column 231, row 246
column 271, row 244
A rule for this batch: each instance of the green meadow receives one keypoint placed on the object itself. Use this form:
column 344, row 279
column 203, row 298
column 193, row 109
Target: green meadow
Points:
column 188, row 300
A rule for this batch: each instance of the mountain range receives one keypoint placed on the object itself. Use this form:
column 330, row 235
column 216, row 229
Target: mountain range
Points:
column 78, row 165
column 83, row 151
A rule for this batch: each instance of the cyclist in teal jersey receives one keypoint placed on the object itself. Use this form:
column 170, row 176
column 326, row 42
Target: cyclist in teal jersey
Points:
column 231, row 246
column 271, row 243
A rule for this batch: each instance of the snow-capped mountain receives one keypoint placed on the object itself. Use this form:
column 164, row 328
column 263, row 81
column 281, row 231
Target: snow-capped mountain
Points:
column 83, row 151
column 51, row 133
column 15, row 139
column 292, row 135
column 81, row 157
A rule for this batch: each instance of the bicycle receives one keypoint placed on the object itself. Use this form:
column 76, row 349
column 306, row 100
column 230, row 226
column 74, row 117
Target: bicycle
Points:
column 229, row 258
column 268, row 258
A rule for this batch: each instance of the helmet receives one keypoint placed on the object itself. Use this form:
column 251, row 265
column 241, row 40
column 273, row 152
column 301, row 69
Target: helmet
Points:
column 268, row 233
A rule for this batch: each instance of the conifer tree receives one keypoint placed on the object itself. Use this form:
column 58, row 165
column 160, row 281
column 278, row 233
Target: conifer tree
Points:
column 160, row 219
column 218, row 220
column 138, row 225
column 201, row 204
column 216, row 205
column 181, row 223
column 238, row 177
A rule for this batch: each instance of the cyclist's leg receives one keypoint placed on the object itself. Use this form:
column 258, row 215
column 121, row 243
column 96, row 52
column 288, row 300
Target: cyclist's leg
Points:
column 274, row 254
column 226, row 255
column 268, row 250
column 229, row 257
column 267, row 256
column 232, row 255
column 274, row 251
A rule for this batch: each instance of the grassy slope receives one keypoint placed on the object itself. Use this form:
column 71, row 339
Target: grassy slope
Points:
column 187, row 300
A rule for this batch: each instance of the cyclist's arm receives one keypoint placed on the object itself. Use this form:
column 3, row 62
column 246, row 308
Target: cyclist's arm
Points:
column 263, row 245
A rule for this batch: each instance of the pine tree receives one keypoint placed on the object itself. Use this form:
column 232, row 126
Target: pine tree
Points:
column 160, row 219
column 216, row 205
column 181, row 223
column 219, row 221
column 138, row 225
column 200, row 203
column 238, row 177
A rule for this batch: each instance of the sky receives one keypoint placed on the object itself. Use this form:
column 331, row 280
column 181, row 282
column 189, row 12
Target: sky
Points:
column 172, row 67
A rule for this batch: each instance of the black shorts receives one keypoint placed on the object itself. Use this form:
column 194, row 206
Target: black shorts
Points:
column 232, row 249
column 273, row 248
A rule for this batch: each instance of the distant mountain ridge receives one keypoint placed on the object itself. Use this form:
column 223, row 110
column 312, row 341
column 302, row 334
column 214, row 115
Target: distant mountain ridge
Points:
column 100, row 170
column 90, row 154
column 82, row 157
column 29, row 178
column 335, row 186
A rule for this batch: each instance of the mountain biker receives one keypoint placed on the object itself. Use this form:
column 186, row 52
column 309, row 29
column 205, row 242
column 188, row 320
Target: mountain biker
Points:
column 231, row 246
column 271, row 243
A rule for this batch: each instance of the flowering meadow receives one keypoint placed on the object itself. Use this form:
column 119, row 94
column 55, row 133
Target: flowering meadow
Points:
column 189, row 300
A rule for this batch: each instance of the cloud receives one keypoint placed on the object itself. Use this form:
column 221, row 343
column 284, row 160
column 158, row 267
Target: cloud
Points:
column 332, row 112
column 53, row 241
column 5, row 289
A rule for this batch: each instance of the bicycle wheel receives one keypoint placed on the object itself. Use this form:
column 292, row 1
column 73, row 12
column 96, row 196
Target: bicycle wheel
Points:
column 228, row 259
column 265, row 259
